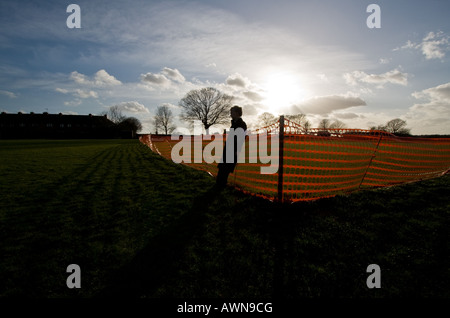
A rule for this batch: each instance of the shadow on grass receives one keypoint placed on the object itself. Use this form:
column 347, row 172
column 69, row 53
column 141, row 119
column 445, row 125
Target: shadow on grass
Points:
column 157, row 261
column 249, row 247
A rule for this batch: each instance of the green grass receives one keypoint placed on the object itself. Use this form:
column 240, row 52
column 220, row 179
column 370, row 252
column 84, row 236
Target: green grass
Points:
column 139, row 225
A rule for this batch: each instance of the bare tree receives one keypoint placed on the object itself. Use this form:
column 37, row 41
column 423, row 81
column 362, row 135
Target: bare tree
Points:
column 123, row 123
column 397, row 127
column 337, row 124
column 307, row 126
column 301, row 120
column 324, row 124
column 266, row 119
column 297, row 118
column 163, row 120
column 208, row 105
column 379, row 127
column 114, row 113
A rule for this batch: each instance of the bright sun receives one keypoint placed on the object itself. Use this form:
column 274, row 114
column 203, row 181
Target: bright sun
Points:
column 282, row 90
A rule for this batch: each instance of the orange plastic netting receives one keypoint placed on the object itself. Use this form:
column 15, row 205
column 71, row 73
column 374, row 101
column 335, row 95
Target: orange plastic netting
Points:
column 315, row 163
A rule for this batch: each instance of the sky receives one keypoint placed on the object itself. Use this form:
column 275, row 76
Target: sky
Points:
column 319, row 58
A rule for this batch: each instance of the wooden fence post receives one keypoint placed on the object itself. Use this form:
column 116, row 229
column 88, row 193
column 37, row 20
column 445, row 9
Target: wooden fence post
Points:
column 371, row 159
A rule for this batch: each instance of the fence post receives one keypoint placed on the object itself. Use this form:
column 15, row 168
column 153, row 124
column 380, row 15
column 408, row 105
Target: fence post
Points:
column 280, row 159
column 371, row 159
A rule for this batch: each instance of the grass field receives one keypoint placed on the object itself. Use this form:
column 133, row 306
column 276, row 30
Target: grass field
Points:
column 139, row 225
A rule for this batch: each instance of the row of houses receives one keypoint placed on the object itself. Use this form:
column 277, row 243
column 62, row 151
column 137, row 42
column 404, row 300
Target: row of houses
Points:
column 59, row 126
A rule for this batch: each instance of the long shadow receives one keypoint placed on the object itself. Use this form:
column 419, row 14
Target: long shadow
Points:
column 288, row 220
column 282, row 233
column 156, row 262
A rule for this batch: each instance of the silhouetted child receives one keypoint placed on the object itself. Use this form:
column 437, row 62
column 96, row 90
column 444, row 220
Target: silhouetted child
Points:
column 225, row 168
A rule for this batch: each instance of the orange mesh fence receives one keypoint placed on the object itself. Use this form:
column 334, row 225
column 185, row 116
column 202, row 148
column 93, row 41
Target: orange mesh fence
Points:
column 312, row 164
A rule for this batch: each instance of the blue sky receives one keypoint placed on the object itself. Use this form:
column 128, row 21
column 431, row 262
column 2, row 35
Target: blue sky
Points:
column 285, row 57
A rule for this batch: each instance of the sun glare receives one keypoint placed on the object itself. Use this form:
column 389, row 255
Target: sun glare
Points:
column 282, row 90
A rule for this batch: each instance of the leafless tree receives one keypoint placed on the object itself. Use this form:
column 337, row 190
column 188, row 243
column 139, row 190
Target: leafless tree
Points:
column 307, row 126
column 324, row 124
column 337, row 124
column 163, row 120
column 301, row 120
column 397, row 127
column 379, row 127
column 114, row 113
column 266, row 119
column 208, row 105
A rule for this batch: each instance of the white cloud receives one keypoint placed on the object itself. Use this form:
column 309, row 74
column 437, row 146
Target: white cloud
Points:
column 100, row 79
column 85, row 94
column 133, row 107
column 80, row 93
column 8, row 93
column 155, row 79
column 394, row 77
column 324, row 105
column 438, row 93
column 433, row 115
column 79, row 78
column 173, row 74
column 237, row 80
column 408, row 45
column 167, row 78
column 434, row 45
column 61, row 90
